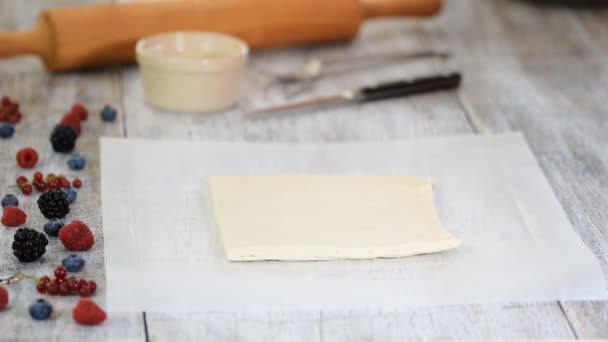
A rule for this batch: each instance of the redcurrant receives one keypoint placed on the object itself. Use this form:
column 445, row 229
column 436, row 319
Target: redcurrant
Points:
column 45, row 279
column 21, row 180
column 41, row 287
column 40, row 186
column 26, row 189
column 53, row 184
column 77, row 183
column 64, row 290
column 52, row 289
column 60, row 272
column 38, row 176
column 92, row 286
column 85, row 291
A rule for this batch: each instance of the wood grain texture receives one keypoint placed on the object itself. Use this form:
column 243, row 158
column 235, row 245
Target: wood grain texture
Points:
column 43, row 100
column 428, row 115
column 534, row 69
column 542, row 70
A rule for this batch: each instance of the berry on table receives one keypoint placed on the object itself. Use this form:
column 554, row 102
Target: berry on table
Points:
column 77, row 183
column 52, row 289
column 108, row 114
column 72, row 120
column 13, row 217
column 27, row 157
column 92, row 286
column 86, row 312
column 54, row 204
column 52, row 227
column 41, row 287
column 3, row 298
column 29, row 245
column 63, row 139
column 83, row 282
column 41, row 310
column 21, row 180
column 64, row 183
column 71, row 193
column 64, row 290
column 10, row 200
column 27, row 189
column 6, row 130
column 41, row 186
column 76, row 236
column 38, row 176
column 80, row 110
column 84, row 291
column 44, row 279
column 73, row 284
column 73, row 263
column 53, row 184
column 76, row 162
column 9, row 111
column 60, row 273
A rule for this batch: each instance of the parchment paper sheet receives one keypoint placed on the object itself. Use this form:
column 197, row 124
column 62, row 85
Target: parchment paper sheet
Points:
column 161, row 242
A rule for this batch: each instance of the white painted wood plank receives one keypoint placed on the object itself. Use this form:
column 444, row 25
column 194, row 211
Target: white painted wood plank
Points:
column 542, row 70
column 44, row 99
column 433, row 114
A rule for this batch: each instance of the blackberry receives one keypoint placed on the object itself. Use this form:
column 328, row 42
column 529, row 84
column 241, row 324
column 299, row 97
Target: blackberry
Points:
column 63, row 138
column 54, row 204
column 29, row 245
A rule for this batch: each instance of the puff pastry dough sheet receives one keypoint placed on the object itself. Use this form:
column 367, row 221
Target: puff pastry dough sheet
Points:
column 323, row 217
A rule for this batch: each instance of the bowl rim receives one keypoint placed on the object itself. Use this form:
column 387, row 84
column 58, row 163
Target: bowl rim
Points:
column 147, row 58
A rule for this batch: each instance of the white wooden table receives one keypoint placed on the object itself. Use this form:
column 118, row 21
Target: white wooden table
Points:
column 541, row 70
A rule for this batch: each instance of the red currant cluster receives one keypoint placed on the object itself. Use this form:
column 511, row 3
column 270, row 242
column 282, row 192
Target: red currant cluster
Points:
column 43, row 183
column 9, row 111
column 63, row 285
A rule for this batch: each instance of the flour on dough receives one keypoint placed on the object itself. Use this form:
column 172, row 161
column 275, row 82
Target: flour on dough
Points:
column 323, row 217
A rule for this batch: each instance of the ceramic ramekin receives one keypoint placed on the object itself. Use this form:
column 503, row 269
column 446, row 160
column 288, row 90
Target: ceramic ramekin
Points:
column 191, row 71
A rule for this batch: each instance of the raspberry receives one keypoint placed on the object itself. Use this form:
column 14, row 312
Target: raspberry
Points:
column 86, row 312
column 80, row 111
column 3, row 298
column 72, row 120
column 27, row 158
column 13, row 217
column 76, row 236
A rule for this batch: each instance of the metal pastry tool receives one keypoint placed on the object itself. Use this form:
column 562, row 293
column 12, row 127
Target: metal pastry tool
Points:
column 318, row 67
column 374, row 93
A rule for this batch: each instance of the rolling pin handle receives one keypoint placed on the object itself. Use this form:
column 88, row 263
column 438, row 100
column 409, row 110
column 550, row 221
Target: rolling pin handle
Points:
column 400, row 8
column 19, row 43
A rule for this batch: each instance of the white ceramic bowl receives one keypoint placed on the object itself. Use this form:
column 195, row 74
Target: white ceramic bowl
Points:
column 191, row 71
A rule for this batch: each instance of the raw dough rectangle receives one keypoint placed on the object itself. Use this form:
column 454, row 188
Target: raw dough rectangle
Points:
column 323, row 217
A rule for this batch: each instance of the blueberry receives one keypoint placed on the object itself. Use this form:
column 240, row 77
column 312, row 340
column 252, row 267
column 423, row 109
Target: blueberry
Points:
column 76, row 162
column 10, row 200
column 41, row 310
column 52, row 227
column 73, row 263
column 6, row 130
column 71, row 194
column 108, row 114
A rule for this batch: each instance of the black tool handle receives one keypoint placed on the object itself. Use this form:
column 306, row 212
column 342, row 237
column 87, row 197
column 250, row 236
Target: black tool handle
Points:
column 409, row 87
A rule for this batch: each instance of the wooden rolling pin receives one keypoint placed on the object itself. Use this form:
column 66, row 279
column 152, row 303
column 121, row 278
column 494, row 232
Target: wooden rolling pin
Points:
column 98, row 35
